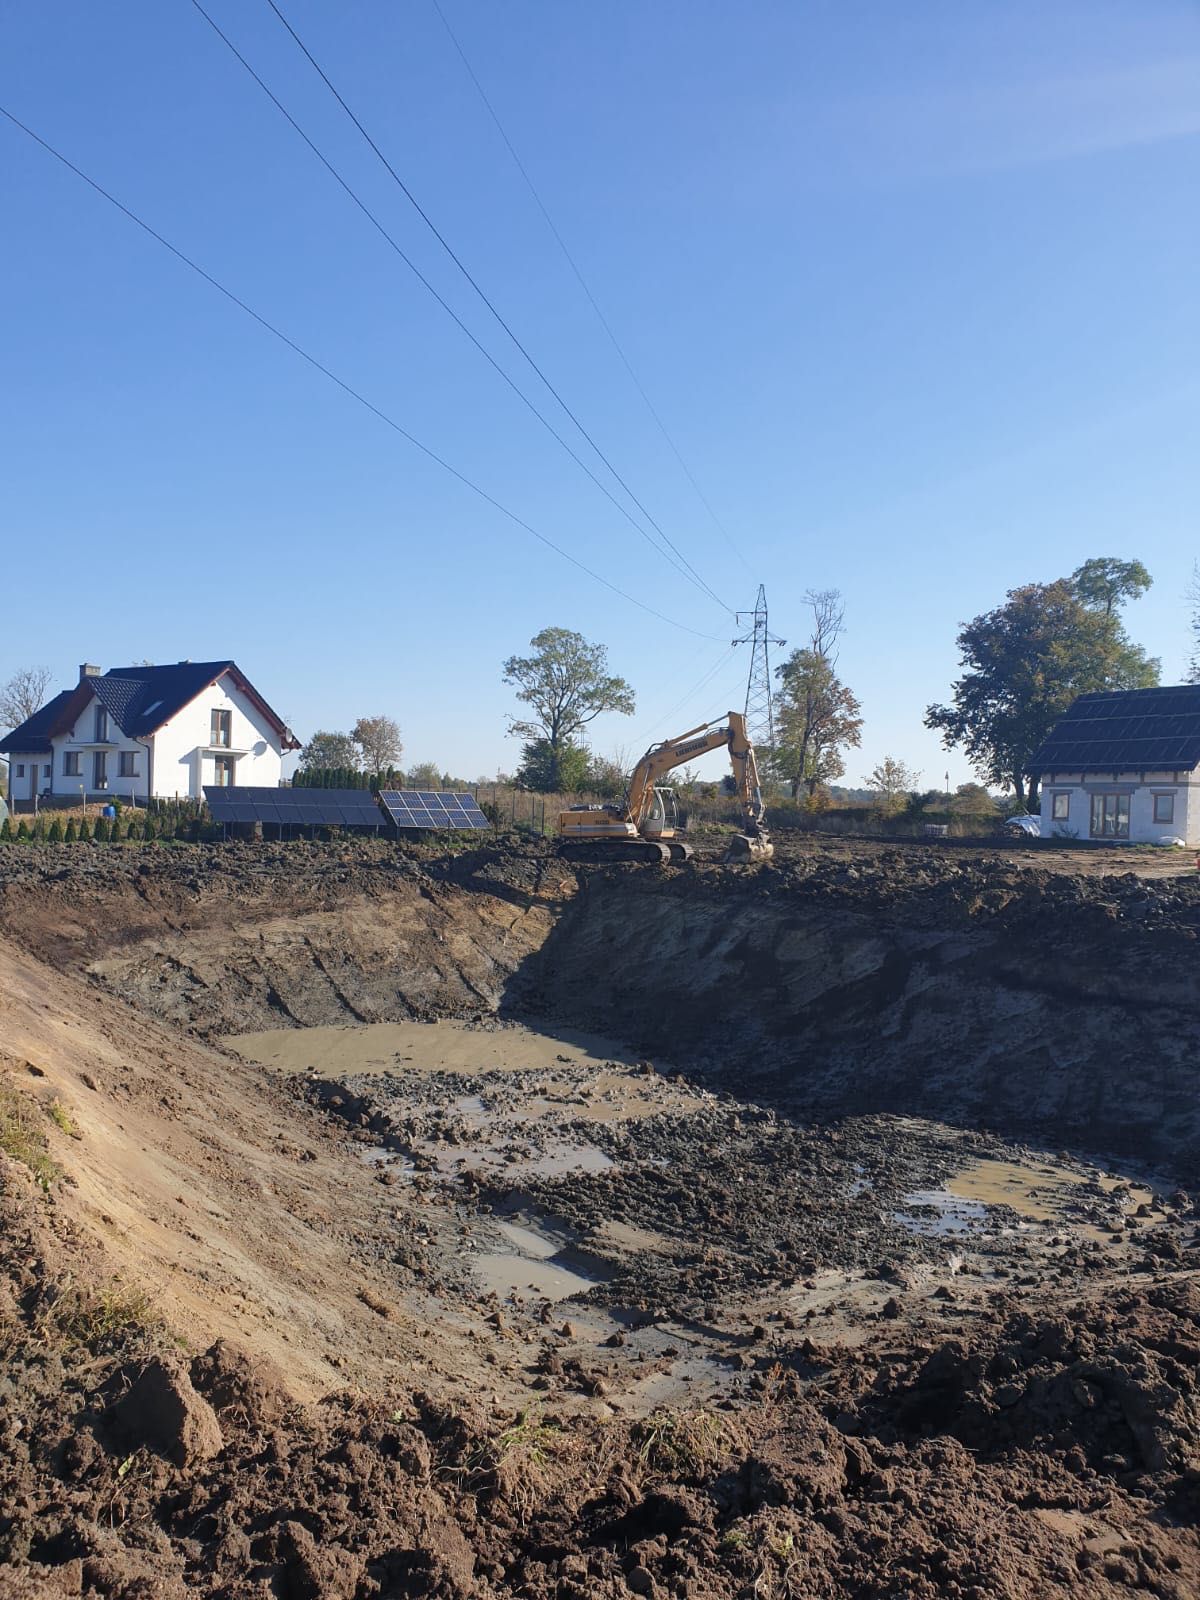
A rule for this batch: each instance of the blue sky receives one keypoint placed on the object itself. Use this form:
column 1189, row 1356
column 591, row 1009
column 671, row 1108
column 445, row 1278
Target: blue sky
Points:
column 914, row 289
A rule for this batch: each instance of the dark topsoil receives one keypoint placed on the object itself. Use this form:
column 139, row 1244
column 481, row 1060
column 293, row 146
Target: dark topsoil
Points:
column 944, row 885
column 1054, row 1452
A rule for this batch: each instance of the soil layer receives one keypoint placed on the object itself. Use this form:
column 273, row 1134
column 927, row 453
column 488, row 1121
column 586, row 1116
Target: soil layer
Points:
column 848, row 1250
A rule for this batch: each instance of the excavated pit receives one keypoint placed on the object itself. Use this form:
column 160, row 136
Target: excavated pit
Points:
column 662, row 1155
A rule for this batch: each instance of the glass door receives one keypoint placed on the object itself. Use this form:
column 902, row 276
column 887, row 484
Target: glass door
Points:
column 1110, row 816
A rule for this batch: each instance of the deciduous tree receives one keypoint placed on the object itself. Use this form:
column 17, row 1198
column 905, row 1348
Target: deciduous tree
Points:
column 566, row 684
column 1193, row 670
column 378, row 742
column 22, row 695
column 326, row 750
column 818, row 717
column 891, row 783
column 1025, row 663
column 608, row 776
column 973, row 800
column 425, row 775
column 1105, row 582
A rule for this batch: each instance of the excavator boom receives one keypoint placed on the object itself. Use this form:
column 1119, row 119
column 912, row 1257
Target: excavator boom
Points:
column 643, row 815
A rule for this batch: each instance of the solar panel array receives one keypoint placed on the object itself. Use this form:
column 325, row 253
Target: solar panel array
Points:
column 423, row 808
column 1141, row 729
column 305, row 808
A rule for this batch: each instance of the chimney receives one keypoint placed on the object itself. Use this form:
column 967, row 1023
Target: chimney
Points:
column 88, row 671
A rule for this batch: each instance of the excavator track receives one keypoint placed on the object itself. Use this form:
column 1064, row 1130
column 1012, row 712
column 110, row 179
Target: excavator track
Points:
column 602, row 852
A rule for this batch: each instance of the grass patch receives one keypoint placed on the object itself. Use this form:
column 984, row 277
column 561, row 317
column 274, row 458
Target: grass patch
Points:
column 96, row 1317
column 23, row 1138
column 63, row 1119
column 528, row 1438
column 679, row 1443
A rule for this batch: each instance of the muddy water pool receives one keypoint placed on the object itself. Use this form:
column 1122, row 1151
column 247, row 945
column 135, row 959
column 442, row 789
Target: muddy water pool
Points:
column 519, row 1128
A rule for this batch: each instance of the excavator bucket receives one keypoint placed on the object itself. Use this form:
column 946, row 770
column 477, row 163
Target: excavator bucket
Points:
column 749, row 847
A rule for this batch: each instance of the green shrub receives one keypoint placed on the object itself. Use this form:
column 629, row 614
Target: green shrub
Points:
column 100, row 832
column 6, row 831
column 85, row 831
column 55, row 835
column 72, row 832
column 23, row 829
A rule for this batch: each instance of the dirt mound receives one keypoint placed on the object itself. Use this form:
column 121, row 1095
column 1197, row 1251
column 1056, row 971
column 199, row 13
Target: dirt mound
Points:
column 1116, row 1386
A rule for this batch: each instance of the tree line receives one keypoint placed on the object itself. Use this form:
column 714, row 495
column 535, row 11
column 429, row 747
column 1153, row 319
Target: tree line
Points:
column 1022, row 663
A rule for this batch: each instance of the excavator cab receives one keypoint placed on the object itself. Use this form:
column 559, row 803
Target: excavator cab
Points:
column 664, row 819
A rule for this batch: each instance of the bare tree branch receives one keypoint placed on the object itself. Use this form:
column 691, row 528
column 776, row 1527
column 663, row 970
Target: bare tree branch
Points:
column 22, row 695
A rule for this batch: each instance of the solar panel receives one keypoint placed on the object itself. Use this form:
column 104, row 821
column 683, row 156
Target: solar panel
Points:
column 1125, row 731
column 413, row 808
column 304, row 808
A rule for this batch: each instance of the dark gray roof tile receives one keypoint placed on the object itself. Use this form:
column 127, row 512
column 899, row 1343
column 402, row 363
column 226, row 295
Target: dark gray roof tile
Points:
column 1128, row 730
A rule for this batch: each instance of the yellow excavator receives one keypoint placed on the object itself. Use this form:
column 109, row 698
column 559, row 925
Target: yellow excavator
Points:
column 647, row 827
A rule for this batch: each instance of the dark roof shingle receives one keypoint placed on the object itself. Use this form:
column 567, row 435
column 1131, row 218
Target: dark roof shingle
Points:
column 33, row 735
column 1128, row 730
column 139, row 700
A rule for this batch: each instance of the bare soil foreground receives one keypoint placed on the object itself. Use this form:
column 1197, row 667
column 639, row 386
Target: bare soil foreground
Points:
column 385, row 1223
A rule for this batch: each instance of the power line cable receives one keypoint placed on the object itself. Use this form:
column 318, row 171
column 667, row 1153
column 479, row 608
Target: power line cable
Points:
column 725, row 657
column 446, row 307
column 340, row 382
column 446, row 246
column 584, row 285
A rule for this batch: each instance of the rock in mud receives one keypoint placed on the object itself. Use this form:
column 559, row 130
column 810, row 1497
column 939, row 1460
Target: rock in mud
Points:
column 162, row 1412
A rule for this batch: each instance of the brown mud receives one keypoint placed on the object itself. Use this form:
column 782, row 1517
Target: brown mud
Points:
column 383, row 1223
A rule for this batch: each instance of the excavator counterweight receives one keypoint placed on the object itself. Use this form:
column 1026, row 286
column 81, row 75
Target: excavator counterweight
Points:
column 646, row 827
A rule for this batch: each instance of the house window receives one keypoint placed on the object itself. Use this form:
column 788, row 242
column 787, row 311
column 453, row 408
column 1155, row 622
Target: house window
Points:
column 223, row 775
column 1060, row 807
column 46, row 772
column 20, row 769
column 222, row 729
column 1110, row 816
column 71, row 764
column 1164, row 808
column 129, row 763
column 101, row 725
column 100, row 769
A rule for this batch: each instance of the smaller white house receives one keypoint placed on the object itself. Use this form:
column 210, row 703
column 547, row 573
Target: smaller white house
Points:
column 1124, row 766
column 138, row 731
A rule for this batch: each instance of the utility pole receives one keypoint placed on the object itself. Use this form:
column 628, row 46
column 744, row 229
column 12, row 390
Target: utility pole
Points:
column 760, row 704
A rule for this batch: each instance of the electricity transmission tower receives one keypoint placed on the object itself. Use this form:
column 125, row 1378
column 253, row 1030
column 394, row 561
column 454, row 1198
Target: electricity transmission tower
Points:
column 760, row 706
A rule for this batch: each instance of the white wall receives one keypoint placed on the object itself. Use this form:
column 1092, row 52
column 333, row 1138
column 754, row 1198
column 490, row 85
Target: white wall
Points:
column 81, row 740
column 183, row 757
column 1142, row 827
column 184, row 760
column 23, row 786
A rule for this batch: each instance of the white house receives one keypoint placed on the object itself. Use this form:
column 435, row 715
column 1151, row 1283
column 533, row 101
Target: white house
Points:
column 1124, row 766
column 138, row 731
